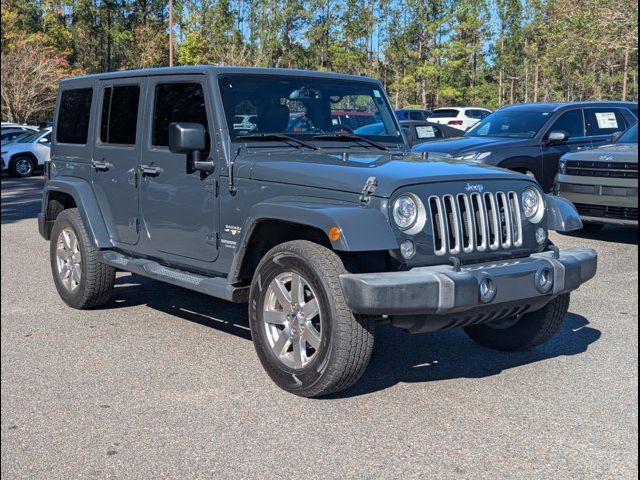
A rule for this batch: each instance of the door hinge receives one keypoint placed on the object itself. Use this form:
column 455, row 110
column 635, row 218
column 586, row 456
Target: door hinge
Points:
column 134, row 224
column 213, row 239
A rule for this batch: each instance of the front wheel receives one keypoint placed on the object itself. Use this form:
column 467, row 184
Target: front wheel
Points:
column 523, row 333
column 22, row 166
column 306, row 338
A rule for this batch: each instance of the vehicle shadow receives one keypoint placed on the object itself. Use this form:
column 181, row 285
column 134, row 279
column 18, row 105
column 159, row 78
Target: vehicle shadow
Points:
column 21, row 198
column 610, row 233
column 398, row 357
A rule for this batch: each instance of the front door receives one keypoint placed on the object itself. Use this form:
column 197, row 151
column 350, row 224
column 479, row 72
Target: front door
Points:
column 572, row 123
column 178, row 205
column 115, row 156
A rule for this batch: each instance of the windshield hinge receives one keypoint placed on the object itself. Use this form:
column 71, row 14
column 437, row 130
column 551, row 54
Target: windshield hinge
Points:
column 369, row 188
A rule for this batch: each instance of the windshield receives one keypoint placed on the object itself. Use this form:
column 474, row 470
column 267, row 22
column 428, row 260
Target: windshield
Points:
column 630, row 136
column 305, row 108
column 515, row 123
column 29, row 138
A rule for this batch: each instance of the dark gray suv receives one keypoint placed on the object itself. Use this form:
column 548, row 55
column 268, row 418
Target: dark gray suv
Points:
column 323, row 232
column 531, row 138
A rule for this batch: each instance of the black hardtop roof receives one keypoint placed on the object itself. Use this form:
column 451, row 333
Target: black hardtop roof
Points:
column 217, row 70
column 555, row 106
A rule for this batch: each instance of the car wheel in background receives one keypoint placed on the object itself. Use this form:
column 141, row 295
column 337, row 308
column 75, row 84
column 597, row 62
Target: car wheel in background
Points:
column 527, row 331
column 22, row 166
column 305, row 335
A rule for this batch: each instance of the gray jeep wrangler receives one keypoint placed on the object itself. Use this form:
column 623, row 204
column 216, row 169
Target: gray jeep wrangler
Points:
column 254, row 185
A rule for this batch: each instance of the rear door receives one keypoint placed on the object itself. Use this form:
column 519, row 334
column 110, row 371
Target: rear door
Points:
column 571, row 122
column 178, row 204
column 116, row 155
column 602, row 123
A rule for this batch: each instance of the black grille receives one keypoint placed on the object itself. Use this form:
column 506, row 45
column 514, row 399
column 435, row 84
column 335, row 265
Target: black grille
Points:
column 602, row 169
column 614, row 213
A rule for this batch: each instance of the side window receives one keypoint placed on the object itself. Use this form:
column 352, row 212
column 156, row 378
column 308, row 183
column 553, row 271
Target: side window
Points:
column 119, row 117
column 604, row 121
column 73, row 116
column 484, row 114
column 571, row 122
column 177, row 102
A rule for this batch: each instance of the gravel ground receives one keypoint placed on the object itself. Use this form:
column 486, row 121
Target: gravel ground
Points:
column 164, row 383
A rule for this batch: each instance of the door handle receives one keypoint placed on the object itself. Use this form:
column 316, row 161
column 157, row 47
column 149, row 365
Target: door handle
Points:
column 149, row 171
column 101, row 166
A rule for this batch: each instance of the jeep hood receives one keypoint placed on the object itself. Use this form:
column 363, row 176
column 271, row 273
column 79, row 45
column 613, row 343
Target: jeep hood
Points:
column 349, row 173
column 623, row 152
column 466, row 144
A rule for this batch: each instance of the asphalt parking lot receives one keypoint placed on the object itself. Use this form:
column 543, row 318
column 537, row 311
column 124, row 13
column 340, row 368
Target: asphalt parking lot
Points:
column 164, row 383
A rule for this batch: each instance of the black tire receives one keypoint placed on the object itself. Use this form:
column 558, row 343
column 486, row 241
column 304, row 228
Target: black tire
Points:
column 96, row 280
column 592, row 227
column 346, row 340
column 531, row 330
column 16, row 169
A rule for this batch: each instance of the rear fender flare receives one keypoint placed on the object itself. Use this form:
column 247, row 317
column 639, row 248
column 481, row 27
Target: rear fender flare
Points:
column 87, row 204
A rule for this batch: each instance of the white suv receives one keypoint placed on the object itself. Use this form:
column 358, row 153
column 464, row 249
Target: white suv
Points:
column 22, row 156
column 462, row 118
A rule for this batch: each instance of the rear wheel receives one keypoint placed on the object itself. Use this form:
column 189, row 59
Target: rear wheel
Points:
column 81, row 280
column 306, row 337
column 22, row 166
column 523, row 333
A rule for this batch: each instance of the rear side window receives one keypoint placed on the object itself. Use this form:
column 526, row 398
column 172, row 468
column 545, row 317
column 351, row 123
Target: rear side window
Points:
column 73, row 116
column 119, row 117
column 177, row 102
column 571, row 122
column 604, row 121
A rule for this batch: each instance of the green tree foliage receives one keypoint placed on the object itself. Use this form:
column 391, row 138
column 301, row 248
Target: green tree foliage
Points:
column 428, row 53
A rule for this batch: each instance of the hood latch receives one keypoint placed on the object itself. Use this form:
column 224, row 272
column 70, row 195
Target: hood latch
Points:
column 369, row 188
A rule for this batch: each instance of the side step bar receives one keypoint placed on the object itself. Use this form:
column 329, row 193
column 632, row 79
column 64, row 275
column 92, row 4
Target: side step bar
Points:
column 217, row 287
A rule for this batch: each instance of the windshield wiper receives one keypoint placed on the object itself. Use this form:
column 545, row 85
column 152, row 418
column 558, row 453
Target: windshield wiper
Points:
column 350, row 137
column 272, row 137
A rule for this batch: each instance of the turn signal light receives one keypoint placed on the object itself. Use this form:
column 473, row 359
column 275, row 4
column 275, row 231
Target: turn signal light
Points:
column 334, row 234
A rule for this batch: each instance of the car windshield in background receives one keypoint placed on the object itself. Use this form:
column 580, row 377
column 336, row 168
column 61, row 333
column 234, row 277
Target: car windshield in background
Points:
column 305, row 108
column 630, row 136
column 444, row 113
column 28, row 138
column 514, row 123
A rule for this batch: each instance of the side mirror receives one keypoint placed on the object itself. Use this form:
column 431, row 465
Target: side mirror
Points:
column 558, row 136
column 191, row 139
column 616, row 136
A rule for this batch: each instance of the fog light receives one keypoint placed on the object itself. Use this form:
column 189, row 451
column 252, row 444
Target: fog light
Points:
column 544, row 280
column 487, row 290
column 541, row 236
column 407, row 249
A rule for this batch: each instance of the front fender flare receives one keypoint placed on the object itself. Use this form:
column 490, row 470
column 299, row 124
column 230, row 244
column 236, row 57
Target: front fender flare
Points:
column 562, row 216
column 82, row 193
column 362, row 229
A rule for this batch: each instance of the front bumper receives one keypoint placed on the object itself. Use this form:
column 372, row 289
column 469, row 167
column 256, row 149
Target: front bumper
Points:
column 441, row 290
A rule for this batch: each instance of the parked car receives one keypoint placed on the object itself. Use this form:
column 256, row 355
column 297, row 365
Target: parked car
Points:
column 416, row 131
column 603, row 183
column 462, row 118
column 413, row 114
column 324, row 234
column 21, row 157
column 531, row 138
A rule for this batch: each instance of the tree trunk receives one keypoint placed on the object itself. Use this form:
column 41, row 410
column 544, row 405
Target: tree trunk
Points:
column 536, row 82
column 625, row 74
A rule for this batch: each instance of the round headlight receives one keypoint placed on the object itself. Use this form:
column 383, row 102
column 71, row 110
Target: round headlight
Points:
column 532, row 204
column 405, row 212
